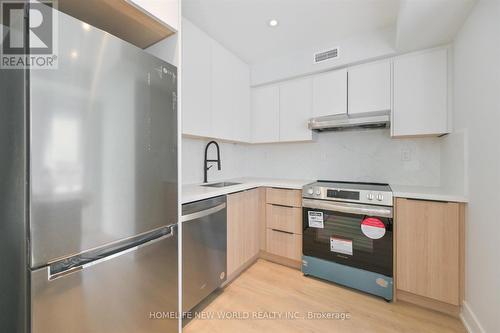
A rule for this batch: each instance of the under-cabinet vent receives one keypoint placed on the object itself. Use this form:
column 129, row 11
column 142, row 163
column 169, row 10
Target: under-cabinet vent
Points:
column 326, row 55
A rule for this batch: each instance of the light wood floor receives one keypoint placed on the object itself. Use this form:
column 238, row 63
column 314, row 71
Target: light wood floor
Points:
column 270, row 287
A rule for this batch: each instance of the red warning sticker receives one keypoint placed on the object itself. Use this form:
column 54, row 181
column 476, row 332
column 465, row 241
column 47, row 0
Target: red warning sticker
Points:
column 373, row 228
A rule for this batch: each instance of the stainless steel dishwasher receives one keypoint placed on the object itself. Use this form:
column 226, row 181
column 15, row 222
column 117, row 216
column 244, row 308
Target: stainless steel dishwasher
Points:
column 204, row 248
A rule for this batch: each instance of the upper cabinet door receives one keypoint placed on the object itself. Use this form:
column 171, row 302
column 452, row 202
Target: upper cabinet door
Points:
column 265, row 114
column 165, row 10
column 421, row 94
column 370, row 88
column 196, row 81
column 230, row 95
column 329, row 93
column 295, row 110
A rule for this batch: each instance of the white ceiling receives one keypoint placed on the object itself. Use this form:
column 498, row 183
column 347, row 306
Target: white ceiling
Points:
column 241, row 25
column 424, row 23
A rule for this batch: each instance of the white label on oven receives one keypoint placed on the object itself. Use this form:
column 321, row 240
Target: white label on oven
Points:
column 341, row 245
column 315, row 219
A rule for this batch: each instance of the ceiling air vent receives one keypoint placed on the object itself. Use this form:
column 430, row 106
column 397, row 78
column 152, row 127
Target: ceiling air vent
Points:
column 326, row 55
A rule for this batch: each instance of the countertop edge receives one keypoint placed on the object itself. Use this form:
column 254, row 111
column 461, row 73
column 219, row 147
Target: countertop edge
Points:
column 246, row 185
column 399, row 191
column 430, row 197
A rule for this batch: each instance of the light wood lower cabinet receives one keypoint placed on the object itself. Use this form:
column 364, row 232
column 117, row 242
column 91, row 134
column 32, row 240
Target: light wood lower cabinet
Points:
column 283, row 226
column 284, row 197
column 284, row 218
column 429, row 251
column 262, row 218
column 243, row 228
column 284, row 244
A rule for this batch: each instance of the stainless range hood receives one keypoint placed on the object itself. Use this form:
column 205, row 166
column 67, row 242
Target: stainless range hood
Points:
column 346, row 121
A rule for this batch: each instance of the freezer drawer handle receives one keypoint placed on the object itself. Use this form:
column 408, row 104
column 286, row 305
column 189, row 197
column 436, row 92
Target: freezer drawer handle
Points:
column 100, row 258
column 64, row 273
column 203, row 213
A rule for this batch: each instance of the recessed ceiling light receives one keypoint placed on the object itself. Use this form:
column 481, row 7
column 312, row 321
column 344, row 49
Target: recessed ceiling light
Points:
column 273, row 23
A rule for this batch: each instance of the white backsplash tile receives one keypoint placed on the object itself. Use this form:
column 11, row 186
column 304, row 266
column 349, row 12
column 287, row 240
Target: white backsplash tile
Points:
column 357, row 155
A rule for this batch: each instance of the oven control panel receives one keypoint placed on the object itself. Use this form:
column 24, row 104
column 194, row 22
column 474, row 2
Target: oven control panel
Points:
column 367, row 196
column 342, row 194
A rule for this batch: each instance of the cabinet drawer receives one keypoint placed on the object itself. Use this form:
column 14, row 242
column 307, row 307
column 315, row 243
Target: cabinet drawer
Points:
column 284, row 218
column 284, row 244
column 278, row 196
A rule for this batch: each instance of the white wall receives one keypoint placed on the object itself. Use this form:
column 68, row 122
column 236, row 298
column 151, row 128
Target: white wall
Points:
column 424, row 24
column 165, row 10
column 167, row 49
column 477, row 115
column 359, row 48
column 454, row 162
column 351, row 155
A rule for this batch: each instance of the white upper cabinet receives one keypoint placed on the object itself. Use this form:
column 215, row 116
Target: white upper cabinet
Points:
column 329, row 93
column 215, row 89
column 196, row 81
column 165, row 10
column 217, row 101
column 265, row 114
column 421, row 95
column 370, row 88
column 230, row 96
column 295, row 110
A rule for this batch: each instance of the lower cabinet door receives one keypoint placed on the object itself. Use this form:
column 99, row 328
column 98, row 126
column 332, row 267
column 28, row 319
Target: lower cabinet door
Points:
column 235, row 230
column 428, row 249
column 284, row 244
column 242, row 228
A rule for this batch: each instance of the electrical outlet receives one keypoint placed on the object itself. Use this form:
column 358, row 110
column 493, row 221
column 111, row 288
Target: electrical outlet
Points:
column 405, row 155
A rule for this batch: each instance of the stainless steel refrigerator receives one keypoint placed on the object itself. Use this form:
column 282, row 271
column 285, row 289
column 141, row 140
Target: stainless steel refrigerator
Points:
column 88, row 190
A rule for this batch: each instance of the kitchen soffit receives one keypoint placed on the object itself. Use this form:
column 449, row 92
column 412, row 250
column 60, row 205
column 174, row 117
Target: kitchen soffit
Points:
column 242, row 25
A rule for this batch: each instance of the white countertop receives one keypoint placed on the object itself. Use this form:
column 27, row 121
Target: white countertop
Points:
column 195, row 192
column 426, row 193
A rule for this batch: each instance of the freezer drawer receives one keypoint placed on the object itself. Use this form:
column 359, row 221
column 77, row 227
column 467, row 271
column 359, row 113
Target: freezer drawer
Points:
column 128, row 292
column 204, row 245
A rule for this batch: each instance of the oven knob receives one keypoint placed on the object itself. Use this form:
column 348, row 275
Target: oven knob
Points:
column 380, row 197
column 318, row 191
column 310, row 191
column 369, row 196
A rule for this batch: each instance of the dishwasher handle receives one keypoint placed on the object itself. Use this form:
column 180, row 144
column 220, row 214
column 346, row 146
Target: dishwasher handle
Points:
column 203, row 213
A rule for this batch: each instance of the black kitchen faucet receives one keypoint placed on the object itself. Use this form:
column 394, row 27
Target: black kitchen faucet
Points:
column 205, row 164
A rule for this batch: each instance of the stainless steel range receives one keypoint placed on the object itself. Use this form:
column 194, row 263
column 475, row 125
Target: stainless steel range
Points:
column 347, row 235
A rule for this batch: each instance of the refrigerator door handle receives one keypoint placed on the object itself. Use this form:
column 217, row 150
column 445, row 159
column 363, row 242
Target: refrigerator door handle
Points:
column 51, row 276
column 203, row 213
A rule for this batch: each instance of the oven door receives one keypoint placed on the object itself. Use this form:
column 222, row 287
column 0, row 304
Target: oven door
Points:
column 351, row 234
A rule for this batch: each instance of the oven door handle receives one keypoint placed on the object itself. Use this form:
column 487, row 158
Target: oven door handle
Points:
column 358, row 209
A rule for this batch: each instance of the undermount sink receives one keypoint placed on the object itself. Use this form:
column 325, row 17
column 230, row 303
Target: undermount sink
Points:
column 221, row 184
